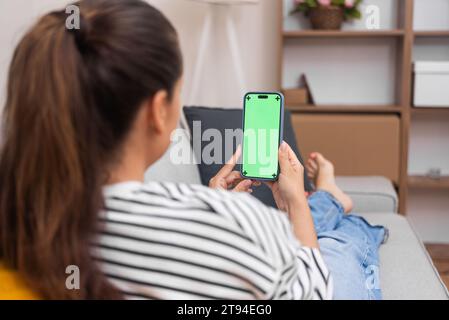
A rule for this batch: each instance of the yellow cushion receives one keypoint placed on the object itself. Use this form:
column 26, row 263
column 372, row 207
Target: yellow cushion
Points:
column 12, row 287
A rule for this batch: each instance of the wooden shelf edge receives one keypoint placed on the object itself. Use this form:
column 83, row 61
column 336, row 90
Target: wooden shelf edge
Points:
column 342, row 34
column 431, row 33
column 345, row 109
column 420, row 182
column 429, row 110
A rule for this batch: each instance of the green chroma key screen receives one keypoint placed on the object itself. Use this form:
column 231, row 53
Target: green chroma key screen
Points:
column 262, row 131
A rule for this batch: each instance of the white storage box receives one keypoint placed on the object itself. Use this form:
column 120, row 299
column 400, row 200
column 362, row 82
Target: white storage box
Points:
column 431, row 84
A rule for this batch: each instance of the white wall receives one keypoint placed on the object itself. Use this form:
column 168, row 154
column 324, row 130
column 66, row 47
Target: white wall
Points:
column 258, row 38
column 431, row 15
column 335, row 73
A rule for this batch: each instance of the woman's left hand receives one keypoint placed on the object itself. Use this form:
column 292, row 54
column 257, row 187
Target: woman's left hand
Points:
column 229, row 179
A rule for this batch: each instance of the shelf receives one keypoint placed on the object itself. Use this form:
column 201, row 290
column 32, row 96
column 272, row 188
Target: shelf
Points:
column 342, row 34
column 430, row 110
column 401, row 39
column 432, row 33
column 421, row 182
column 346, row 109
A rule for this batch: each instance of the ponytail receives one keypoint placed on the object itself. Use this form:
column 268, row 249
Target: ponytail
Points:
column 46, row 166
column 71, row 99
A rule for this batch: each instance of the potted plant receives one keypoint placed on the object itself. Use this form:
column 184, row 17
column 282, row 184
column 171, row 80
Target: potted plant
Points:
column 328, row 14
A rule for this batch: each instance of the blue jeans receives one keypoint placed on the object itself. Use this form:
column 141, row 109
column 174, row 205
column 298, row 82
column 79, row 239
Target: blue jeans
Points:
column 349, row 245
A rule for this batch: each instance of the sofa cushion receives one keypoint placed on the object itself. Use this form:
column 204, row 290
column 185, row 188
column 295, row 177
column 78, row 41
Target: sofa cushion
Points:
column 370, row 194
column 406, row 270
column 222, row 119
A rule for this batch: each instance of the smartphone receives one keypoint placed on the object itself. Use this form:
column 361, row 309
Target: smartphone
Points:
column 263, row 123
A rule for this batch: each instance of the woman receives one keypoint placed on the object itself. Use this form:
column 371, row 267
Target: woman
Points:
column 87, row 112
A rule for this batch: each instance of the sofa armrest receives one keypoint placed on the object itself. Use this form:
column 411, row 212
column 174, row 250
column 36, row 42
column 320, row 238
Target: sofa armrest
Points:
column 370, row 194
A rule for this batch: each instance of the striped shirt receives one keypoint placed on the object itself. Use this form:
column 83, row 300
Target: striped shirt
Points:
column 180, row 241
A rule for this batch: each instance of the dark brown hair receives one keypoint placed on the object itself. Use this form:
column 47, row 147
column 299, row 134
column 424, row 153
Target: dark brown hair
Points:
column 72, row 97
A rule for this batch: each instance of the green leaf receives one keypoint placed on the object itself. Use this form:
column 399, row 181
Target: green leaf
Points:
column 312, row 3
column 357, row 14
column 338, row 2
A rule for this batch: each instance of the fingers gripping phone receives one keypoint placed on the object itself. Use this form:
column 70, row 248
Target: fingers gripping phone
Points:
column 263, row 122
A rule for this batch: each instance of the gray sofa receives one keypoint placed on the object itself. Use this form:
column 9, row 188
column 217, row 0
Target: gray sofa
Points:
column 406, row 272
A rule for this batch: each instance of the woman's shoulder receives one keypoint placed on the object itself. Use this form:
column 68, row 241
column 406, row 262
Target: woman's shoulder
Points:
column 177, row 192
column 240, row 211
column 169, row 199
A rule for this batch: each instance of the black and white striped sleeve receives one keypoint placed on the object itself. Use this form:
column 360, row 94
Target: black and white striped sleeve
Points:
column 178, row 241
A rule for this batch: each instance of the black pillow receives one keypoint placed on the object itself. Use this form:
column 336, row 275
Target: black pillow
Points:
column 221, row 119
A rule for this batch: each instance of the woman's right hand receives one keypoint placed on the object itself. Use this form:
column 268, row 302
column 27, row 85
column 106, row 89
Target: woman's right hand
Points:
column 288, row 190
column 290, row 197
